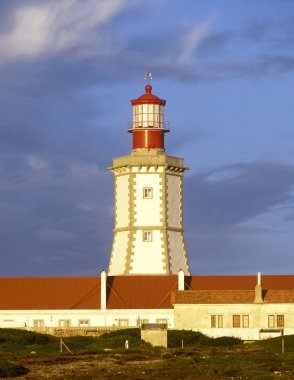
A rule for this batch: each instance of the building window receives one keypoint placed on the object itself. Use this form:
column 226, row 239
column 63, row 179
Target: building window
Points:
column 216, row 321
column 147, row 192
column 280, row 321
column 161, row 321
column 276, row 321
column 38, row 323
column 220, row 321
column 271, row 321
column 123, row 322
column 147, row 235
column 245, row 321
column 213, row 321
column 141, row 322
column 236, row 321
column 84, row 322
column 64, row 323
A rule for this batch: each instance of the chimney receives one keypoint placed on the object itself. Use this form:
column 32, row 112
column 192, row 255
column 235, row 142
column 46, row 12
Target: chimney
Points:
column 258, row 278
column 103, row 290
column 181, row 280
column 258, row 290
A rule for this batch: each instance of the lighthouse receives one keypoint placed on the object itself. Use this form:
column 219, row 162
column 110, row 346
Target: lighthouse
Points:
column 148, row 232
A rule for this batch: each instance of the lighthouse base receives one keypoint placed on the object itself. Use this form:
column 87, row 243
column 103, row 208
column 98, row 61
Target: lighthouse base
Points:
column 148, row 233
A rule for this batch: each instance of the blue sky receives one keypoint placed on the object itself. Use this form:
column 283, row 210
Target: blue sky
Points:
column 68, row 70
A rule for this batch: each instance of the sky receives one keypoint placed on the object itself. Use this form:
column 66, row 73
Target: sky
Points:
column 68, row 70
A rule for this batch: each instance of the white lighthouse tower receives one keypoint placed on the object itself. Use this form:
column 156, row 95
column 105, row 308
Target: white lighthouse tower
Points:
column 148, row 231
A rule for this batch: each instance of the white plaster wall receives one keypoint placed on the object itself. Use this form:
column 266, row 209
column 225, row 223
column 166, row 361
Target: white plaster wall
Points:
column 147, row 211
column 148, row 257
column 174, row 201
column 122, row 201
column 177, row 254
column 119, row 253
column 197, row 317
column 98, row 318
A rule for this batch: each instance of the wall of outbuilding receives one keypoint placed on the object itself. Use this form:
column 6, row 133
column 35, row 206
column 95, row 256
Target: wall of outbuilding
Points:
column 197, row 317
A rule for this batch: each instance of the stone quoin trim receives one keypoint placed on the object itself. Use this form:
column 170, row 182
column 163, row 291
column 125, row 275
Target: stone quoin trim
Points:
column 163, row 212
column 115, row 223
column 130, row 247
column 181, row 221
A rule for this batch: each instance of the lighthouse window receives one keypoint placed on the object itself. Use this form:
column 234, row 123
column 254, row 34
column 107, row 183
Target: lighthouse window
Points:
column 147, row 192
column 147, row 235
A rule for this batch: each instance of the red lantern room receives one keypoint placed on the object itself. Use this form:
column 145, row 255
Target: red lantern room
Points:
column 148, row 121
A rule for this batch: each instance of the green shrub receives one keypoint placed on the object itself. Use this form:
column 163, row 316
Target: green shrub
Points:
column 8, row 369
column 117, row 339
column 226, row 341
column 275, row 344
column 23, row 337
column 31, row 338
column 113, row 340
column 79, row 342
column 196, row 338
column 135, row 333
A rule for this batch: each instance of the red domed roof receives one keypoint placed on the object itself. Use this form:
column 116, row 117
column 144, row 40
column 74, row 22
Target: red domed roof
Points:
column 148, row 98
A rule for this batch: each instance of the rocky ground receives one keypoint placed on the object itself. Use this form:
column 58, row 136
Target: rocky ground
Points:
column 110, row 368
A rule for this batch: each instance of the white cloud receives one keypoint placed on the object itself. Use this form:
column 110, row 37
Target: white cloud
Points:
column 192, row 39
column 84, row 170
column 87, row 206
column 47, row 28
column 37, row 163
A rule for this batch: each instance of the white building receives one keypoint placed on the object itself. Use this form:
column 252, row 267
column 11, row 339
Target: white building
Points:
column 247, row 307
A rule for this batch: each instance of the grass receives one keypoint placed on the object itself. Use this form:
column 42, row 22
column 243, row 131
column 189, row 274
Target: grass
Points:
column 106, row 356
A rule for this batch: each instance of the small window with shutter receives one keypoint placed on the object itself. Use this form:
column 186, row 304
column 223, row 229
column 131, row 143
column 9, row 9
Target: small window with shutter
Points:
column 147, row 192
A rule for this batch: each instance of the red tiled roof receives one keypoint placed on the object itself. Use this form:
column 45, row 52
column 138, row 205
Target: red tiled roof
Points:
column 230, row 296
column 126, row 292
column 239, row 282
column 140, row 292
column 46, row 293
column 279, row 296
column 213, row 296
column 123, row 292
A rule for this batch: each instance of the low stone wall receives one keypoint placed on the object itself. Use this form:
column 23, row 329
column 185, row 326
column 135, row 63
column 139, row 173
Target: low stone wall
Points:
column 73, row 331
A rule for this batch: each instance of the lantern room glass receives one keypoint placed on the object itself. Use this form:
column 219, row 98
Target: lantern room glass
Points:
column 148, row 116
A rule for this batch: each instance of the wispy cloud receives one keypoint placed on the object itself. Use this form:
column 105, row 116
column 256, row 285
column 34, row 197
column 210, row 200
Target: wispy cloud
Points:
column 192, row 39
column 44, row 29
column 37, row 163
column 237, row 193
